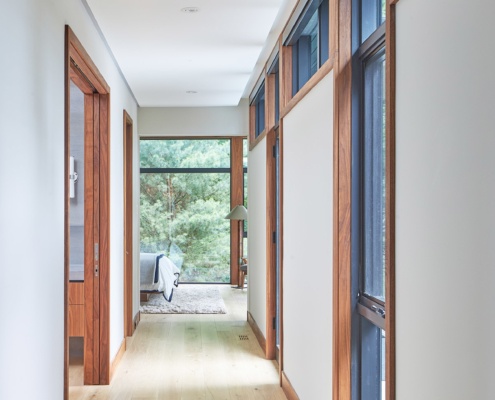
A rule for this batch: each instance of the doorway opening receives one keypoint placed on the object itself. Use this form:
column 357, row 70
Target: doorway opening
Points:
column 187, row 187
column 274, row 246
column 129, row 321
column 87, row 209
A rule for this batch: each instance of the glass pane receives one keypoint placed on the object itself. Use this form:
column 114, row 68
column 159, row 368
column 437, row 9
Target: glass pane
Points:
column 76, row 184
column 374, row 176
column 372, row 361
column 372, row 16
column 245, row 153
column 311, row 31
column 183, row 216
column 185, row 153
column 324, row 31
column 260, row 111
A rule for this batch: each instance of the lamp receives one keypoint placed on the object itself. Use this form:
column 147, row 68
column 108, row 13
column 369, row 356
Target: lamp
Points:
column 239, row 213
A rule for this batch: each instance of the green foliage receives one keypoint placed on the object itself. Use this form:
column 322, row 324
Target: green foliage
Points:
column 184, row 214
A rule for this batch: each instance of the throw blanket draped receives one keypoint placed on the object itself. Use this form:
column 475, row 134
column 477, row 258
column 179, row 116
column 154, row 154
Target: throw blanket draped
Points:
column 158, row 274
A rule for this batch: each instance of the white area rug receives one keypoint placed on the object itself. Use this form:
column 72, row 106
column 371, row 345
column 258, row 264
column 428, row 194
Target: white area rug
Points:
column 186, row 299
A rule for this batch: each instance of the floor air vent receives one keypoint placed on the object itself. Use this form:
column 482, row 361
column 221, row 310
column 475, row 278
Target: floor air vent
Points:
column 243, row 337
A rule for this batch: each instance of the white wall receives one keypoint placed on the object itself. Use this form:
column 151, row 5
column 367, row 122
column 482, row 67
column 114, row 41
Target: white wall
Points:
column 308, row 242
column 257, row 234
column 32, row 191
column 445, row 200
column 195, row 121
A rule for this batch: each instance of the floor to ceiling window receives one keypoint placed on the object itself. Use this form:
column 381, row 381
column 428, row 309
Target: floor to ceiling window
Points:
column 185, row 196
column 368, row 201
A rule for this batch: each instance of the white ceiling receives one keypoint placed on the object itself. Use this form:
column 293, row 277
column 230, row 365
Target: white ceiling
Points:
column 164, row 53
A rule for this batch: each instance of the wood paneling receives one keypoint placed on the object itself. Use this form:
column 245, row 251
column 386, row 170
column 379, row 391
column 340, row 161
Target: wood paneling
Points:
column 390, row 202
column 285, row 72
column 76, row 309
column 236, row 198
column 270, row 102
column 90, row 342
column 341, row 23
column 76, row 292
column 76, row 319
column 257, row 331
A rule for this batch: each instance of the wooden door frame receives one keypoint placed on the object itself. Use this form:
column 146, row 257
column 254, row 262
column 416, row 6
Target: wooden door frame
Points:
column 271, row 246
column 236, row 198
column 128, row 225
column 81, row 70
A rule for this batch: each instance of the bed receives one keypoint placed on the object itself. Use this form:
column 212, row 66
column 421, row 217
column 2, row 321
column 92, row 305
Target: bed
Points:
column 159, row 274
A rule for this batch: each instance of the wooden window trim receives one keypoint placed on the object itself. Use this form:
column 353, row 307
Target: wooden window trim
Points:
column 341, row 42
column 236, row 198
column 323, row 71
column 253, row 139
column 270, row 101
column 287, row 101
column 390, row 90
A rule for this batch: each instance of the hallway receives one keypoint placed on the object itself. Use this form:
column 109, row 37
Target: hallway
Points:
column 183, row 357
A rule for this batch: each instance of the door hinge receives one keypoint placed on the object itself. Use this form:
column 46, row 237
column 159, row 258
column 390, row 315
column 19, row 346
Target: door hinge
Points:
column 274, row 237
column 274, row 151
column 274, row 322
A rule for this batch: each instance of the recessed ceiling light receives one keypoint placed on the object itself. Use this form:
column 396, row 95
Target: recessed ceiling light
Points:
column 190, row 10
column 191, row 92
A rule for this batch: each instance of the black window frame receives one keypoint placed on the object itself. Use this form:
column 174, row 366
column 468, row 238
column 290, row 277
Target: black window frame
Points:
column 259, row 111
column 275, row 71
column 301, row 43
column 199, row 170
column 368, row 316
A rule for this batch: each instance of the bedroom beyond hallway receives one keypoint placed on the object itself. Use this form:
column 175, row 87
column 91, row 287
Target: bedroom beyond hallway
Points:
column 186, row 356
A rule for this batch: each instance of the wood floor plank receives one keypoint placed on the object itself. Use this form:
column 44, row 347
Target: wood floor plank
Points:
column 192, row 357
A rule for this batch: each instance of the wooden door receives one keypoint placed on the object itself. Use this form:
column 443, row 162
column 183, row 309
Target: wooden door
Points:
column 81, row 72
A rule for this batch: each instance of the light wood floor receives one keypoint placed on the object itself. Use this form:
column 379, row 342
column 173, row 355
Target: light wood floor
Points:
column 185, row 357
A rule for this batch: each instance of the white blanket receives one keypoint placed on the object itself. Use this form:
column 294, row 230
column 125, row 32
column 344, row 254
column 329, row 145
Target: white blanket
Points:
column 168, row 275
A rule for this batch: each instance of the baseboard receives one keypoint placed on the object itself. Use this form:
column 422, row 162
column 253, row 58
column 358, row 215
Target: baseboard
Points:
column 257, row 332
column 117, row 358
column 136, row 320
column 288, row 389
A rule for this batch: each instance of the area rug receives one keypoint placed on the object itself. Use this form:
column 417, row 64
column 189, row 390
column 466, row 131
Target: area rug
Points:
column 186, row 299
